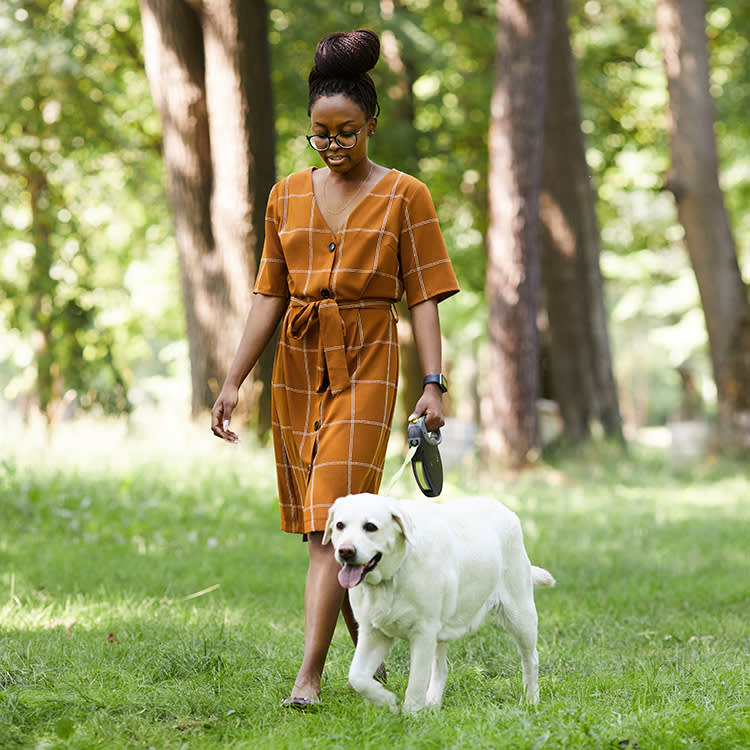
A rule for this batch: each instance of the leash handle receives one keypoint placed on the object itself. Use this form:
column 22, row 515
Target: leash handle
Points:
column 418, row 431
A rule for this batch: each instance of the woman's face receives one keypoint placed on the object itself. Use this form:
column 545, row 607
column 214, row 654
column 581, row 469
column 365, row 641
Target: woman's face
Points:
column 338, row 115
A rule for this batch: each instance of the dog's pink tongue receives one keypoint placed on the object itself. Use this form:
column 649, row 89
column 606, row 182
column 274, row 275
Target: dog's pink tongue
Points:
column 350, row 575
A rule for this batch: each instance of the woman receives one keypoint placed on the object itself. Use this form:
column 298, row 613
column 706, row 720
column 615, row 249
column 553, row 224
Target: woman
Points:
column 343, row 244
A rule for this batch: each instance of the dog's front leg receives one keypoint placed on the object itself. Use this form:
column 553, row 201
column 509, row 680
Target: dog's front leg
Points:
column 372, row 648
column 422, row 646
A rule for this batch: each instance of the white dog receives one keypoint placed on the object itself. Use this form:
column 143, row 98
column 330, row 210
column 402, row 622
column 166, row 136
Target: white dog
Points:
column 428, row 573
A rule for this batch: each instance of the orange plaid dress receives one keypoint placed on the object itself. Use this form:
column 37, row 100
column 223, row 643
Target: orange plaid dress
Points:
column 336, row 367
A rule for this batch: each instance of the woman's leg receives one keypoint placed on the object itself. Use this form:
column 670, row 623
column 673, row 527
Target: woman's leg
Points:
column 324, row 599
column 349, row 619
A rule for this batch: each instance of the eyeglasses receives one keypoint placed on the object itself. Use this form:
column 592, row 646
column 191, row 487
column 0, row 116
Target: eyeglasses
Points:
column 343, row 140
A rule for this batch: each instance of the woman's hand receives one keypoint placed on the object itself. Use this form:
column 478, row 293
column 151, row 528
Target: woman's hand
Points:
column 221, row 414
column 265, row 314
column 430, row 405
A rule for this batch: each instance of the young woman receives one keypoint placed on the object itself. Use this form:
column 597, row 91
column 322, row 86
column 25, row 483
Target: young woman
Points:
column 343, row 244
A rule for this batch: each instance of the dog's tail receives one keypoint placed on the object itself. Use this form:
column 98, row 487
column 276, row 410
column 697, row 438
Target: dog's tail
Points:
column 541, row 577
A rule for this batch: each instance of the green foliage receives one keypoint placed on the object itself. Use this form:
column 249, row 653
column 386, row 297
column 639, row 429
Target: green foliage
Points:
column 448, row 50
column 113, row 633
column 730, row 86
column 657, row 323
column 89, row 288
column 81, row 171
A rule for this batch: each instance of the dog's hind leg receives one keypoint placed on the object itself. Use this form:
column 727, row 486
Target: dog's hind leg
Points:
column 439, row 675
column 372, row 648
column 526, row 642
column 517, row 614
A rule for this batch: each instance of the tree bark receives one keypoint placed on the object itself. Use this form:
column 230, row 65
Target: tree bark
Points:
column 514, row 237
column 580, row 360
column 243, row 144
column 700, row 205
column 207, row 64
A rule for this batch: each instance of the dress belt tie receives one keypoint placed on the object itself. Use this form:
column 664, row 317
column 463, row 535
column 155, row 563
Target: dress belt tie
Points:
column 331, row 346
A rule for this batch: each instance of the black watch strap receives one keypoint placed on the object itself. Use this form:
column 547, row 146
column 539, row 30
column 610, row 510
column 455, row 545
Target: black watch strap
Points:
column 438, row 379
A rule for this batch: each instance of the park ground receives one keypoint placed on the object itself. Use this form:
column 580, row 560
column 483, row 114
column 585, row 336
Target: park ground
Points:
column 149, row 600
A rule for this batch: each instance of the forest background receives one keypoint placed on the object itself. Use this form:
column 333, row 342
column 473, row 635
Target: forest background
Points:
column 89, row 278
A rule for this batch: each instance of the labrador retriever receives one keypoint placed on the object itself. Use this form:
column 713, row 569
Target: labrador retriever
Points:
column 429, row 572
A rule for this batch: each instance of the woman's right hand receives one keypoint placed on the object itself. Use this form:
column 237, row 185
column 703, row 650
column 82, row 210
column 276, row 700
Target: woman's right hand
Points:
column 221, row 414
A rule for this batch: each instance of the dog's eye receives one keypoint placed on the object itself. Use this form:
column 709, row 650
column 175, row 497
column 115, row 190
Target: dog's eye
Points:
column 370, row 527
column 340, row 525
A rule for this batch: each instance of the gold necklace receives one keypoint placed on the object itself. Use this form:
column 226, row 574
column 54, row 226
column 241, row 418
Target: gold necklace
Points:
column 351, row 200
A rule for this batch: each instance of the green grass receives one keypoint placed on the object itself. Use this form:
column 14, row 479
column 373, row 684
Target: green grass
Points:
column 148, row 600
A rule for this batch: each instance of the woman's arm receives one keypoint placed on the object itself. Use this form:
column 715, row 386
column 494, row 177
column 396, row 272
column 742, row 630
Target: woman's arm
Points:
column 426, row 325
column 265, row 313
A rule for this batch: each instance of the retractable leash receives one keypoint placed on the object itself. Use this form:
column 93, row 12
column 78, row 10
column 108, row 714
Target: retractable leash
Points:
column 425, row 460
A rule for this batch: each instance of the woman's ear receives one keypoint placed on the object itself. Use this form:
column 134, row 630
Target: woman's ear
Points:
column 372, row 126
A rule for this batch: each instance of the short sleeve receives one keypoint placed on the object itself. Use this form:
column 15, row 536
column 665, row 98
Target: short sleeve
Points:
column 272, row 277
column 426, row 267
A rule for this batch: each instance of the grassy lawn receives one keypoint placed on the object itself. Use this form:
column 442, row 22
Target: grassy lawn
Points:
column 149, row 600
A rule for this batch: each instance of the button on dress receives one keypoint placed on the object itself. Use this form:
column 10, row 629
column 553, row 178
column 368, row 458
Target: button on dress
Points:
column 336, row 367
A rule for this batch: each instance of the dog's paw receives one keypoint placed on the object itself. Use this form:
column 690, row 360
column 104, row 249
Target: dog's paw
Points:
column 374, row 692
column 412, row 708
column 386, row 699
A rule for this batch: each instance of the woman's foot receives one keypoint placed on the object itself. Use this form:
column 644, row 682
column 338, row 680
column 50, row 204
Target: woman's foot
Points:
column 301, row 704
column 305, row 693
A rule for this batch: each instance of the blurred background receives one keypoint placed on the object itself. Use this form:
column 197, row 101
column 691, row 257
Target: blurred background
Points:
column 138, row 144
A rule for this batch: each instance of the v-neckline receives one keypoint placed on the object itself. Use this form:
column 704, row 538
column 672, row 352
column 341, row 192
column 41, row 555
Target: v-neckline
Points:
column 343, row 224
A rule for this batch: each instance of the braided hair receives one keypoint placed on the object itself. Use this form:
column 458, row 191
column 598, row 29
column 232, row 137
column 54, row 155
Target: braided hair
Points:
column 340, row 66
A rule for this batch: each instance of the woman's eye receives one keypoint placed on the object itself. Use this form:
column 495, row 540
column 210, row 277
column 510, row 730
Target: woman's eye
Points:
column 370, row 527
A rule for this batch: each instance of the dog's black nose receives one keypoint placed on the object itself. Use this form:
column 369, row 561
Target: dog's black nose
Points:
column 347, row 552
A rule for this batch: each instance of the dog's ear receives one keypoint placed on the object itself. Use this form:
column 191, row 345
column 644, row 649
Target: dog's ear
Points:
column 404, row 521
column 329, row 527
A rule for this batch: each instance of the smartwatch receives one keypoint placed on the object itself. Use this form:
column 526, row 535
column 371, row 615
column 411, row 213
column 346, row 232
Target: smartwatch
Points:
column 438, row 379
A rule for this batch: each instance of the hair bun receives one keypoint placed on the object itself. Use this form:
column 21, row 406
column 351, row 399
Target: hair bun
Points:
column 347, row 54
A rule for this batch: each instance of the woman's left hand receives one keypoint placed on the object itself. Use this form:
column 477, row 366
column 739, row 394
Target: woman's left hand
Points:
column 430, row 405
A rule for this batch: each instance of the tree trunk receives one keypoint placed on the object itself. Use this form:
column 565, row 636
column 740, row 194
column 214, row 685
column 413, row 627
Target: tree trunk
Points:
column 514, row 241
column 580, row 360
column 208, row 68
column 700, row 205
column 242, row 136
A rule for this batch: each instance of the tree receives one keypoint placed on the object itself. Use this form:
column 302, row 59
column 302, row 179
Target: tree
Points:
column 208, row 65
column 514, row 237
column 580, row 362
column 694, row 182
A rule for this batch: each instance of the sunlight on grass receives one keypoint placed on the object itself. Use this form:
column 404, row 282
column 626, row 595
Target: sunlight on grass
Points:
column 148, row 599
